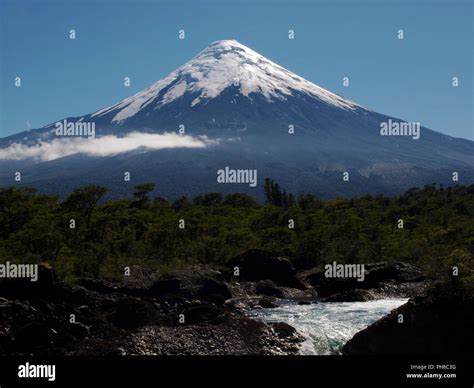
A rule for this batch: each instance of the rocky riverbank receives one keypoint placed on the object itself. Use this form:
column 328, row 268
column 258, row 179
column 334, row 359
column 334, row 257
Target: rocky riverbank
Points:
column 198, row 310
column 438, row 321
column 189, row 312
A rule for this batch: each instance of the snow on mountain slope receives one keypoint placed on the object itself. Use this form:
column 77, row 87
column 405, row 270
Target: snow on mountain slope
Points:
column 223, row 64
column 237, row 108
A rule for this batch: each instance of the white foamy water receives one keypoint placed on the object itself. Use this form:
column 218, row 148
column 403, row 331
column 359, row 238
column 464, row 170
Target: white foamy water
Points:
column 328, row 326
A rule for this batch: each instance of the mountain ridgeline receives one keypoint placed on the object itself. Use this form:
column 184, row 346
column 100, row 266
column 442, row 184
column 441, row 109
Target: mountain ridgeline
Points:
column 235, row 108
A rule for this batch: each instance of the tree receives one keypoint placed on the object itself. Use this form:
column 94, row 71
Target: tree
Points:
column 141, row 194
column 84, row 200
column 180, row 203
column 239, row 200
column 209, row 199
column 308, row 201
column 273, row 193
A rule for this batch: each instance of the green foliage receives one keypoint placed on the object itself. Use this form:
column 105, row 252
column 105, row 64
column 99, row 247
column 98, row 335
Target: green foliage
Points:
column 437, row 233
column 141, row 194
column 275, row 196
column 209, row 199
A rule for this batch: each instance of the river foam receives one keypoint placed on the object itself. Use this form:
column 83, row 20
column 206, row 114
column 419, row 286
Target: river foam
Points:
column 328, row 326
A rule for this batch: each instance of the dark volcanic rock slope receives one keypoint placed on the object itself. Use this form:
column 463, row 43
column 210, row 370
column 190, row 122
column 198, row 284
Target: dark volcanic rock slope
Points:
column 437, row 322
column 189, row 312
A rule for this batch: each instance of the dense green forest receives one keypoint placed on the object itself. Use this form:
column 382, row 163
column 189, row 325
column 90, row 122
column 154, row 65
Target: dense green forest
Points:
column 84, row 235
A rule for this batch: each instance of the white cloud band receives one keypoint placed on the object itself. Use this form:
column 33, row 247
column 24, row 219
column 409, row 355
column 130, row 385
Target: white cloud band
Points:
column 101, row 146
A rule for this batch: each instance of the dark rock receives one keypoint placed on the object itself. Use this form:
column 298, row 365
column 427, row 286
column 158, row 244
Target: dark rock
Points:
column 139, row 278
column 30, row 335
column 267, row 303
column 137, row 283
column 376, row 275
column 98, row 285
column 113, row 320
column 77, row 295
column 130, row 312
column 256, row 264
column 203, row 313
column 303, row 303
column 165, row 285
column 400, row 272
column 438, row 322
column 79, row 330
column 238, row 335
column 45, row 285
column 269, row 288
column 283, row 330
column 194, row 283
column 4, row 338
column 356, row 295
column 214, row 290
column 295, row 294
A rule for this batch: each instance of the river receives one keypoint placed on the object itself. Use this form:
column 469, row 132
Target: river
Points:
column 328, row 326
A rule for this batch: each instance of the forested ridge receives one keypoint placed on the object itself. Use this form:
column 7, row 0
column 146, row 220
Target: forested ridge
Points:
column 84, row 235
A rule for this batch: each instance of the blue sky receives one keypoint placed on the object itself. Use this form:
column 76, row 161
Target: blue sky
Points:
column 408, row 79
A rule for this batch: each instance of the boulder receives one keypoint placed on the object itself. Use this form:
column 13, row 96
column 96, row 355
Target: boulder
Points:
column 30, row 335
column 376, row 275
column 269, row 288
column 257, row 264
column 136, row 283
column 214, row 290
column 139, row 277
column 303, row 303
column 79, row 330
column 437, row 322
column 283, row 330
column 45, row 285
column 193, row 283
column 356, row 295
column 267, row 303
column 98, row 285
column 130, row 312
column 166, row 285
column 201, row 314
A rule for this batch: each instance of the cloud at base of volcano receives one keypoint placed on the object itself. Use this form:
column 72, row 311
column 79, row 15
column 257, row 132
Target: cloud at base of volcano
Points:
column 101, row 146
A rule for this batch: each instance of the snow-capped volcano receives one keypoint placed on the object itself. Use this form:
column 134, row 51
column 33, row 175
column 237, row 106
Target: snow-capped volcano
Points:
column 224, row 64
column 238, row 109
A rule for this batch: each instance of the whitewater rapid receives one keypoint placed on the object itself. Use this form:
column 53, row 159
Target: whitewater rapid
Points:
column 326, row 327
